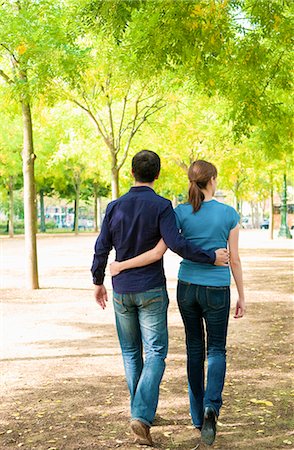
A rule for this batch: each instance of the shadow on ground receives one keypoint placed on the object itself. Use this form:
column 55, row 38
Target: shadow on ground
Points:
column 77, row 398
column 92, row 412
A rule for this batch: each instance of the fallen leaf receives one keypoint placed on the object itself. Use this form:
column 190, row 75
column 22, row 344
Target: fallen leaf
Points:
column 167, row 433
column 261, row 402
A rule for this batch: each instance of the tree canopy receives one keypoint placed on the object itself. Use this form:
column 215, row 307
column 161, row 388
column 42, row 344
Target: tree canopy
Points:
column 189, row 79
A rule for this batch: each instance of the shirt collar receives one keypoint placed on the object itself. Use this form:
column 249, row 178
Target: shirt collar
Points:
column 141, row 188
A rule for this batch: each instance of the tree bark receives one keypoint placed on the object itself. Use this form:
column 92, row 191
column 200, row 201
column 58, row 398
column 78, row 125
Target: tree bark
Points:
column 254, row 214
column 99, row 213
column 28, row 158
column 95, row 210
column 42, row 212
column 77, row 204
column 11, row 208
column 271, row 221
column 238, row 205
column 114, row 183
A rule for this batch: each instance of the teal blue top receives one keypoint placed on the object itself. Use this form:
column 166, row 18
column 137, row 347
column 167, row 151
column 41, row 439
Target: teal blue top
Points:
column 209, row 228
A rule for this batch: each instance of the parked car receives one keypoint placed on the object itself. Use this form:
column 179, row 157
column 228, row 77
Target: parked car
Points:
column 246, row 222
column 264, row 224
column 86, row 224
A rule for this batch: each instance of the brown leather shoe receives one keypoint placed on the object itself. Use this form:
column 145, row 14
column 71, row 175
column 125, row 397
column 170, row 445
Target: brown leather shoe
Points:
column 141, row 432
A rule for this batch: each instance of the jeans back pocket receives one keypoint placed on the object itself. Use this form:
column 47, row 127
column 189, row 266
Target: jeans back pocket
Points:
column 118, row 304
column 183, row 290
column 217, row 296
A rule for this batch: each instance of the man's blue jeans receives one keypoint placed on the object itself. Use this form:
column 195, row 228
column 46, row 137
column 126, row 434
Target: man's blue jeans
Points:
column 211, row 304
column 141, row 321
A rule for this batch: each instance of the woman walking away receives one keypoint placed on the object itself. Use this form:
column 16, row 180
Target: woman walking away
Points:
column 203, row 292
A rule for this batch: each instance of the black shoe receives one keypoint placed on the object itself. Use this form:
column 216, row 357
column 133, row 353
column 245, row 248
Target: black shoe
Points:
column 208, row 430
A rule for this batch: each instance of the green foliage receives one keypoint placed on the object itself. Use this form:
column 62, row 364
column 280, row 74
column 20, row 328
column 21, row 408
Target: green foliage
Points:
column 17, row 206
column 259, row 76
column 222, row 69
column 10, row 152
column 37, row 45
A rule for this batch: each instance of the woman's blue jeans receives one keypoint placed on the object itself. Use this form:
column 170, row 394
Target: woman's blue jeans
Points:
column 141, row 321
column 211, row 305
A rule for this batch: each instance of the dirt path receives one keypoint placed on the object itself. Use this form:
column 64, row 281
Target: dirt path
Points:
column 62, row 377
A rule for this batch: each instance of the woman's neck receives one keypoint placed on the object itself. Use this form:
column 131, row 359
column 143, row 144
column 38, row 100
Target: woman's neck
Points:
column 208, row 194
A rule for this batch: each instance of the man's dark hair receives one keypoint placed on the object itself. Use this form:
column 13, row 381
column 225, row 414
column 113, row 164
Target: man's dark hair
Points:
column 146, row 166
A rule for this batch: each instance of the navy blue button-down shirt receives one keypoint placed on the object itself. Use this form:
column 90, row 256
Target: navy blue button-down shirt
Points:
column 134, row 224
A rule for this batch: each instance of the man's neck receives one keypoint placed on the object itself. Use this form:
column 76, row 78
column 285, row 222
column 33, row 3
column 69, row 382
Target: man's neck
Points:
column 138, row 184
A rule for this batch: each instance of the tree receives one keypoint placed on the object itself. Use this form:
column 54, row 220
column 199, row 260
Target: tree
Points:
column 36, row 45
column 117, row 105
column 10, row 161
column 94, row 188
column 70, row 166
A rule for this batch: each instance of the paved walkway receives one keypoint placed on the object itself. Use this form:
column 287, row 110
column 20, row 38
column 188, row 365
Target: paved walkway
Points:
column 61, row 364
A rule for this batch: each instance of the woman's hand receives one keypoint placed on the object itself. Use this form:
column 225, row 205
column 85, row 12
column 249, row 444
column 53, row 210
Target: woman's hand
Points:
column 240, row 308
column 114, row 268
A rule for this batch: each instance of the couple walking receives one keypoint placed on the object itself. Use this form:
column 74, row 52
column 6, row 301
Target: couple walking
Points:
column 141, row 225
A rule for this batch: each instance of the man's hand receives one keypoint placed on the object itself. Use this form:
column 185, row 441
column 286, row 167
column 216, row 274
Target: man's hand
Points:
column 100, row 295
column 240, row 308
column 222, row 257
column 114, row 268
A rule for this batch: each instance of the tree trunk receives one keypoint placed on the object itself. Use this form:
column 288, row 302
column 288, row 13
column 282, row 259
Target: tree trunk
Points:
column 42, row 212
column 271, row 221
column 28, row 158
column 238, row 204
column 95, row 210
column 254, row 214
column 11, row 208
column 74, row 222
column 77, row 201
column 99, row 213
column 114, row 183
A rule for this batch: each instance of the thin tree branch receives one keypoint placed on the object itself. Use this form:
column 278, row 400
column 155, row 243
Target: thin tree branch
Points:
column 109, row 104
column 135, row 127
column 149, row 110
column 181, row 164
column 89, row 112
column 131, row 135
column 275, row 69
column 120, row 133
column 10, row 52
column 6, row 77
column 99, row 118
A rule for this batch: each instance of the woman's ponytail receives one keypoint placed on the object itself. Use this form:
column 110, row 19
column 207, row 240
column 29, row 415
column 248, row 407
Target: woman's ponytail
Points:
column 196, row 196
column 200, row 173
